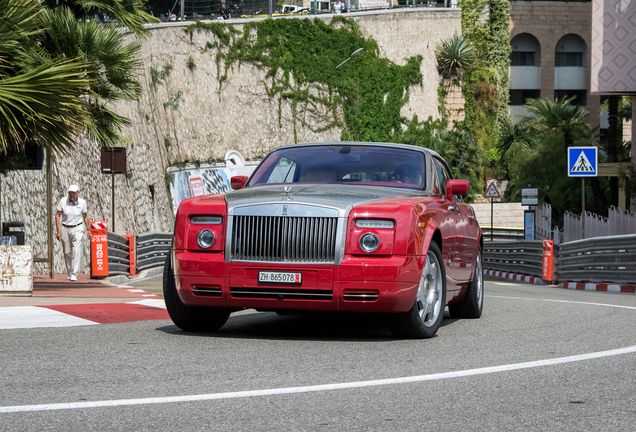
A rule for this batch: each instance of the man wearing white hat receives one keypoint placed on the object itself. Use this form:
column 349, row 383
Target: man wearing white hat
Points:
column 71, row 211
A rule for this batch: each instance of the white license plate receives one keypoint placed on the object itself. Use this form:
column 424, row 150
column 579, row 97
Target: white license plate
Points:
column 280, row 277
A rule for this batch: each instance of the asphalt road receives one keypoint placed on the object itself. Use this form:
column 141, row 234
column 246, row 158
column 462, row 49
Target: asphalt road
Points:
column 540, row 358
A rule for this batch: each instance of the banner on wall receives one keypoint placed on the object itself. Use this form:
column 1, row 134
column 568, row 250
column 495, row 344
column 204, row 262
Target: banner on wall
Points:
column 191, row 181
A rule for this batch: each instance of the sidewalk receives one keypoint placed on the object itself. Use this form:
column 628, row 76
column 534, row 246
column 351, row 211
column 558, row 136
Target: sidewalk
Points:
column 61, row 291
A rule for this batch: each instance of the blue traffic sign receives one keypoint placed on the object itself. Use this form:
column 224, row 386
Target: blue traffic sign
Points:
column 582, row 161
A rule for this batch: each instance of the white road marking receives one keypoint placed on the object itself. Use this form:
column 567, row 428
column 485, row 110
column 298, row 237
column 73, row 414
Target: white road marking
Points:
column 157, row 303
column 34, row 316
column 335, row 386
column 504, row 284
column 318, row 388
column 563, row 301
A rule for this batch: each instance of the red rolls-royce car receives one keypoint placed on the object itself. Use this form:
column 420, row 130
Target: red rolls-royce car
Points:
column 350, row 226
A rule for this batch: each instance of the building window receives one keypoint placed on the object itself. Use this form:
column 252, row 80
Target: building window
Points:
column 520, row 97
column 568, row 59
column 522, row 58
column 580, row 96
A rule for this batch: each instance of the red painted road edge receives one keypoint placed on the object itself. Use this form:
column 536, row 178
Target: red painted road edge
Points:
column 582, row 286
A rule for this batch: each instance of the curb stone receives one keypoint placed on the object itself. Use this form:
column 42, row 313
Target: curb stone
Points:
column 581, row 286
column 123, row 279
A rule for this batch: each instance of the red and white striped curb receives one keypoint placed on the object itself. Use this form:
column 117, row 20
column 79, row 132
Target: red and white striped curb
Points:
column 515, row 277
column 71, row 315
column 140, row 291
column 627, row 289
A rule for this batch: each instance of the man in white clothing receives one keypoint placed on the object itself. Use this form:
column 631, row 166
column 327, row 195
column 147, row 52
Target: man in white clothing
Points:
column 71, row 212
column 337, row 7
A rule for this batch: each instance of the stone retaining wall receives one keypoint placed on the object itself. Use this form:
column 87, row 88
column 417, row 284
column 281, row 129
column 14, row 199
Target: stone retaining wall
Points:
column 207, row 123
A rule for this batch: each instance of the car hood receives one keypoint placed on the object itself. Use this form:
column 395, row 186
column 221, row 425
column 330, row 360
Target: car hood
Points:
column 339, row 197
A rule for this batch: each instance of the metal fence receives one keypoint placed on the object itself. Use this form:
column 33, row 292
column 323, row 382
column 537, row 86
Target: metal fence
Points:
column 210, row 9
column 118, row 255
column 499, row 234
column 523, row 256
column 599, row 259
column 152, row 249
column 617, row 222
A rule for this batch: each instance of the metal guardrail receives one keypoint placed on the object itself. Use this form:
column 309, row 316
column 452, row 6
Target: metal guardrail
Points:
column 524, row 256
column 152, row 249
column 118, row 255
column 598, row 259
column 499, row 234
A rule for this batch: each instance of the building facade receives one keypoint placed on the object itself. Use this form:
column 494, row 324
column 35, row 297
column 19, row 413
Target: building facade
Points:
column 551, row 58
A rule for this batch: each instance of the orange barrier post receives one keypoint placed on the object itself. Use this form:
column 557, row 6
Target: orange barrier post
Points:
column 131, row 251
column 548, row 260
column 99, row 249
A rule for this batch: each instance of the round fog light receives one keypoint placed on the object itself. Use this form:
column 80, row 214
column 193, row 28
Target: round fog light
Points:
column 205, row 238
column 369, row 242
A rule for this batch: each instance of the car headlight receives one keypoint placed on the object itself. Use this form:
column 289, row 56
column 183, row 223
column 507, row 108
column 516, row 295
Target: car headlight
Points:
column 206, row 220
column 205, row 238
column 369, row 242
column 377, row 224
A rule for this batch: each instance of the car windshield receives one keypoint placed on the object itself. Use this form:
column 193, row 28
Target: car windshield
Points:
column 357, row 164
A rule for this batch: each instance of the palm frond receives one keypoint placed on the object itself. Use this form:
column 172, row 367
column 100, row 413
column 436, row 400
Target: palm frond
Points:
column 42, row 105
column 130, row 13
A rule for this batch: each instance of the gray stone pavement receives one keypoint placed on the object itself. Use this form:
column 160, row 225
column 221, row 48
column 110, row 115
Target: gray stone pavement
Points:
column 59, row 290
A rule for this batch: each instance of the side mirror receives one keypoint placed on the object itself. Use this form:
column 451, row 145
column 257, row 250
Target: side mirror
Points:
column 237, row 182
column 456, row 187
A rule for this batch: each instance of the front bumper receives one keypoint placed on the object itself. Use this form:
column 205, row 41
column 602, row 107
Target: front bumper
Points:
column 380, row 284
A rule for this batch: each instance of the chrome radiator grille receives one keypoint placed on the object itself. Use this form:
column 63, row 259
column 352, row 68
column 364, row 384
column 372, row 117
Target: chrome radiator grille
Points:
column 284, row 239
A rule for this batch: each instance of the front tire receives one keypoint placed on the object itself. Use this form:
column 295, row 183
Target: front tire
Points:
column 425, row 317
column 190, row 318
column 472, row 305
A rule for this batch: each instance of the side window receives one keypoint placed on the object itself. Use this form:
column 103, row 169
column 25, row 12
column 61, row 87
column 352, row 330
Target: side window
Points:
column 442, row 175
column 283, row 172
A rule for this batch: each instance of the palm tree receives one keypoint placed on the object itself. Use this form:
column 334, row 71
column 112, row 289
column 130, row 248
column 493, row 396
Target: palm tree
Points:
column 454, row 55
column 112, row 69
column 559, row 117
column 562, row 125
column 57, row 73
column 39, row 94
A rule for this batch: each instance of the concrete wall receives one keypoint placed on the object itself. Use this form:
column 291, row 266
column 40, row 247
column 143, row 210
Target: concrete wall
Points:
column 505, row 215
column 206, row 124
column 16, row 265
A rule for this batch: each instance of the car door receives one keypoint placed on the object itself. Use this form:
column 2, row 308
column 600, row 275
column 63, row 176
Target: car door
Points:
column 466, row 240
column 448, row 227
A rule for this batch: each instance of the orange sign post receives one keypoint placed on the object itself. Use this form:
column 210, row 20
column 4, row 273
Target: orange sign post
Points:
column 131, row 251
column 99, row 249
column 548, row 260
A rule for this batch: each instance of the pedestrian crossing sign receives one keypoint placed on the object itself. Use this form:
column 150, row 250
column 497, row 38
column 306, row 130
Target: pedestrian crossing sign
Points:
column 582, row 161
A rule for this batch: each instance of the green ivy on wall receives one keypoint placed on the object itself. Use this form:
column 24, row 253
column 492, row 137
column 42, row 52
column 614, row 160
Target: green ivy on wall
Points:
column 486, row 24
column 301, row 58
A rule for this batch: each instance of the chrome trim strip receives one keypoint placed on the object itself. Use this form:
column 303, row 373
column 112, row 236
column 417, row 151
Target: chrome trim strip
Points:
column 276, row 209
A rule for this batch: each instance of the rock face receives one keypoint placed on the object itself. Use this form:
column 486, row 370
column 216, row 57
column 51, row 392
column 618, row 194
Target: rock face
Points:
column 184, row 116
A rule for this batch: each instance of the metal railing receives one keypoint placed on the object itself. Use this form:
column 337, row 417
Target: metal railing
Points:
column 617, row 222
column 524, row 256
column 118, row 255
column 599, row 259
column 152, row 249
column 499, row 234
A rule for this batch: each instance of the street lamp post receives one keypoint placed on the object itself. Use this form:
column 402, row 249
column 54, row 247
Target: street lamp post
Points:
column 353, row 54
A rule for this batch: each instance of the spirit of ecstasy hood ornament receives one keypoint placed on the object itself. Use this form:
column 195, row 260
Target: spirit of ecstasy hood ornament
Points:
column 287, row 197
